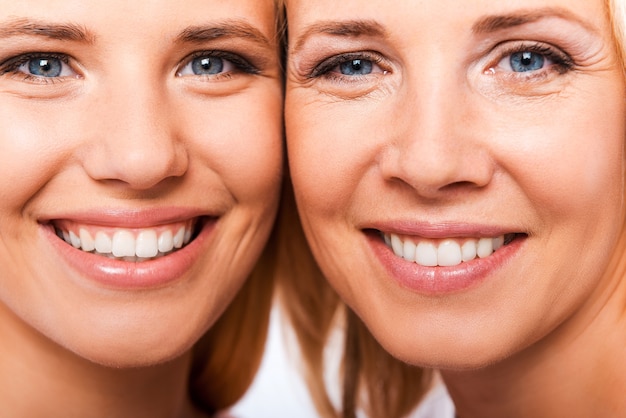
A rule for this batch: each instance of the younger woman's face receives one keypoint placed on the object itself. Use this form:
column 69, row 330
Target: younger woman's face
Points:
column 458, row 168
column 141, row 162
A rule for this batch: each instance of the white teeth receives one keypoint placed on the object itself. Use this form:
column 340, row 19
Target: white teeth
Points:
column 166, row 242
column 86, row 241
column 449, row 253
column 123, row 244
column 409, row 250
column 103, row 243
column 426, row 254
column 396, row 245
column 74, row 240
column 146, row 244
column 484, row 248
column 179, row 238
column 468, row 249
column 128, row 245
column 446, row 253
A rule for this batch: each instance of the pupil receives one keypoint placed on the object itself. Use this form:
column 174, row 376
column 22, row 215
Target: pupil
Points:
column 527, row 58
column 45, row 65
column 206, row 63
column 356, row 64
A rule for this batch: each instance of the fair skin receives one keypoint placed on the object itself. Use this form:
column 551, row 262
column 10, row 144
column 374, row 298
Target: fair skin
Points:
column 459, row 172
column 144, row 127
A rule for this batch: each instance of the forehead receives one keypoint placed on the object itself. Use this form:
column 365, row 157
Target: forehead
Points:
column 141, row 14
column 400, row 13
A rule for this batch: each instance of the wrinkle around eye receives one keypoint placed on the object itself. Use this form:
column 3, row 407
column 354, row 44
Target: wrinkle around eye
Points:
column 323, row 90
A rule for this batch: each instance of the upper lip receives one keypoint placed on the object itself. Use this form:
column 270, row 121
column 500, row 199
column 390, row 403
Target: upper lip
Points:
column 131, row 218
column 439, row 230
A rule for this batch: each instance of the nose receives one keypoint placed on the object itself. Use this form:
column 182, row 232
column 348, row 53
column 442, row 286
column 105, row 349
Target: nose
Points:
column 437, row 142
column 133, row 140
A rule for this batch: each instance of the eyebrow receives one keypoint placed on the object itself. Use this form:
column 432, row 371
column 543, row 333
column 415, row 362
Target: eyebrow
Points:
column 351, row 28
column 223, row 30
column 490, row 24
column 78, row 33
column 38, row 28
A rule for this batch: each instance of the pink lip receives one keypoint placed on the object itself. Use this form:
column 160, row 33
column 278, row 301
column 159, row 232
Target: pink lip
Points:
column 439, row 230
column 124, row 275
column 130, row 218
column 440, row 281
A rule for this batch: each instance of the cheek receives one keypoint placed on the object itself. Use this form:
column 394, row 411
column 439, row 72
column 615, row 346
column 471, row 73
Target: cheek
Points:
column 570, row 167
column 242, row 142
column 331, row 147
column 31, row 150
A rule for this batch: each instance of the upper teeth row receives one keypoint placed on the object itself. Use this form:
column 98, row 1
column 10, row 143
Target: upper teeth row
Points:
column 446, row 253
column 144, row 244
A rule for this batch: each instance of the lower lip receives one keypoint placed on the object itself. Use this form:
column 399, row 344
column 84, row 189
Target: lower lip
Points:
column 440, row 281
column 124, row 275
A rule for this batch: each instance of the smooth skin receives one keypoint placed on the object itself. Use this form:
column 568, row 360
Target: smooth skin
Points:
column 134, row 115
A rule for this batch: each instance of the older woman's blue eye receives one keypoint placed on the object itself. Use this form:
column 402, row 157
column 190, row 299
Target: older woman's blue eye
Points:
column 356, row 67
column 527, row 61
column 44, row 67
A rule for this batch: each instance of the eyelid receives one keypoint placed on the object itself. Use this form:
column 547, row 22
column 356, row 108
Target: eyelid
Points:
column 562, row 62
column 240, row 63
column 328, row 64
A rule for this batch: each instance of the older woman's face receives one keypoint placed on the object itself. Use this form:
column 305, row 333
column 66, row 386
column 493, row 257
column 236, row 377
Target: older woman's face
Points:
column 141, row 163
column 458, row 167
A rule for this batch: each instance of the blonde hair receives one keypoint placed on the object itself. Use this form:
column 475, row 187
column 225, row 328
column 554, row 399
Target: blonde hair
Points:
column 373, row 380
column 617, row 15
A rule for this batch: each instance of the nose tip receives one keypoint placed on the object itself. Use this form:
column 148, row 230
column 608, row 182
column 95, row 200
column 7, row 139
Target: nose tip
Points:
column 135, row 144
column 435, row 166
column 143, row 167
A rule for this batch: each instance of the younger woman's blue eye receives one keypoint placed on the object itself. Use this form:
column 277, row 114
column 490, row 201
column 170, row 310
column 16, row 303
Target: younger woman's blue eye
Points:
column 45, row 67
column 526, row 61
column 211, row 64
column 356, row 67
column 207, row 65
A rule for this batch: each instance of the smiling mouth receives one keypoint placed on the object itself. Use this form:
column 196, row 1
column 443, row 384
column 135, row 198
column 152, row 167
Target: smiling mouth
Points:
column 447, row 252
column 129, row 244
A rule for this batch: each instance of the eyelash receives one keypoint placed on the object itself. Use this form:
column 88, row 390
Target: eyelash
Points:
column 324, row 69
column 240, row 63
column 560, row 61
column 12, row 65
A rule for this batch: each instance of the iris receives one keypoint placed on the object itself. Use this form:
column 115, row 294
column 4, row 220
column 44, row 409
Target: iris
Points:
column 527, row 61
column 207, row 65
column 356, row 67
column 45, row 67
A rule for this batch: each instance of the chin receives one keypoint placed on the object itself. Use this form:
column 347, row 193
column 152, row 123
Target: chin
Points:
column 132, row 352
column 449, row 351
